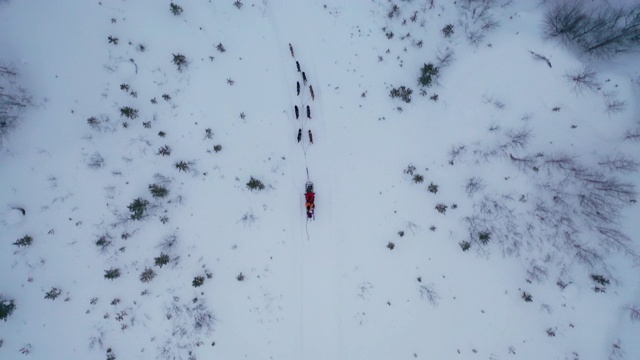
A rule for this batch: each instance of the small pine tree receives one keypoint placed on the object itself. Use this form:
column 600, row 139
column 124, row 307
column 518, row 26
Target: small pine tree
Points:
column 442, row 208
column 147, row 275
column 484, row 237
column 217, row 148
column 103, row 241
column 220, row 48
column 175, row 9
column 129, row 112
column 527, row 297
column 402, row 92
column 164, row 150
column 255, row 184
column 433, row 188
column 198, row 281
column 427, row 74
column 447, row 30
column 418, row 179
column 110, row 354
column 161, row 260
column 465, row 245
column 24, row 241
column 6, row 308
column 158, row 191
column 182, row 166
column 112, row 273
column 53, row 293
column 180, row 61
column 137, row 208
column 600, row 279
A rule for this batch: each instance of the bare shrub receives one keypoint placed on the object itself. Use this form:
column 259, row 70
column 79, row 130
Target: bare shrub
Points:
column 428, row 292
column 96, row 161
column 583, row 79
column 634, row 312
column 444, row 57
column 168, row 243
column 476, row 19
column 616, row 352
column 456, row 152
column 613, row 104
column 474, row 185
column 632, row 135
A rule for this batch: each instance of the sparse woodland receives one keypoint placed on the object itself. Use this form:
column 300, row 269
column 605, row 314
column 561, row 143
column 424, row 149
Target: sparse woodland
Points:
column 475, row 168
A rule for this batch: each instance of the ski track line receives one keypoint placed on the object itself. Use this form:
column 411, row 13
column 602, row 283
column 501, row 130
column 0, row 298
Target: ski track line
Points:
column 290, row 117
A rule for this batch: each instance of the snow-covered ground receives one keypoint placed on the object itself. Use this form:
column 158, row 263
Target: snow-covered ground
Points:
column 380, row 273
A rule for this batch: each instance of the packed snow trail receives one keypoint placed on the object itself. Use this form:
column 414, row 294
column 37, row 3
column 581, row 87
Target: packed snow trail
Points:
column 319, row 262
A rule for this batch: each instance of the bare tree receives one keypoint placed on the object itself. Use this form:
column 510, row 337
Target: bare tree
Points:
column 604, row 31
column 13, row 100
column 619, row 162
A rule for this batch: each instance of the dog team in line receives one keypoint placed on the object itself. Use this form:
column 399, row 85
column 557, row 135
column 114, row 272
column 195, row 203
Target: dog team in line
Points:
column 311, row 92
column 309, row 195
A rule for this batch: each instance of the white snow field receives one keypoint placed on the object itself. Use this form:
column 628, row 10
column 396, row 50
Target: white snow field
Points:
column 493, row 216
